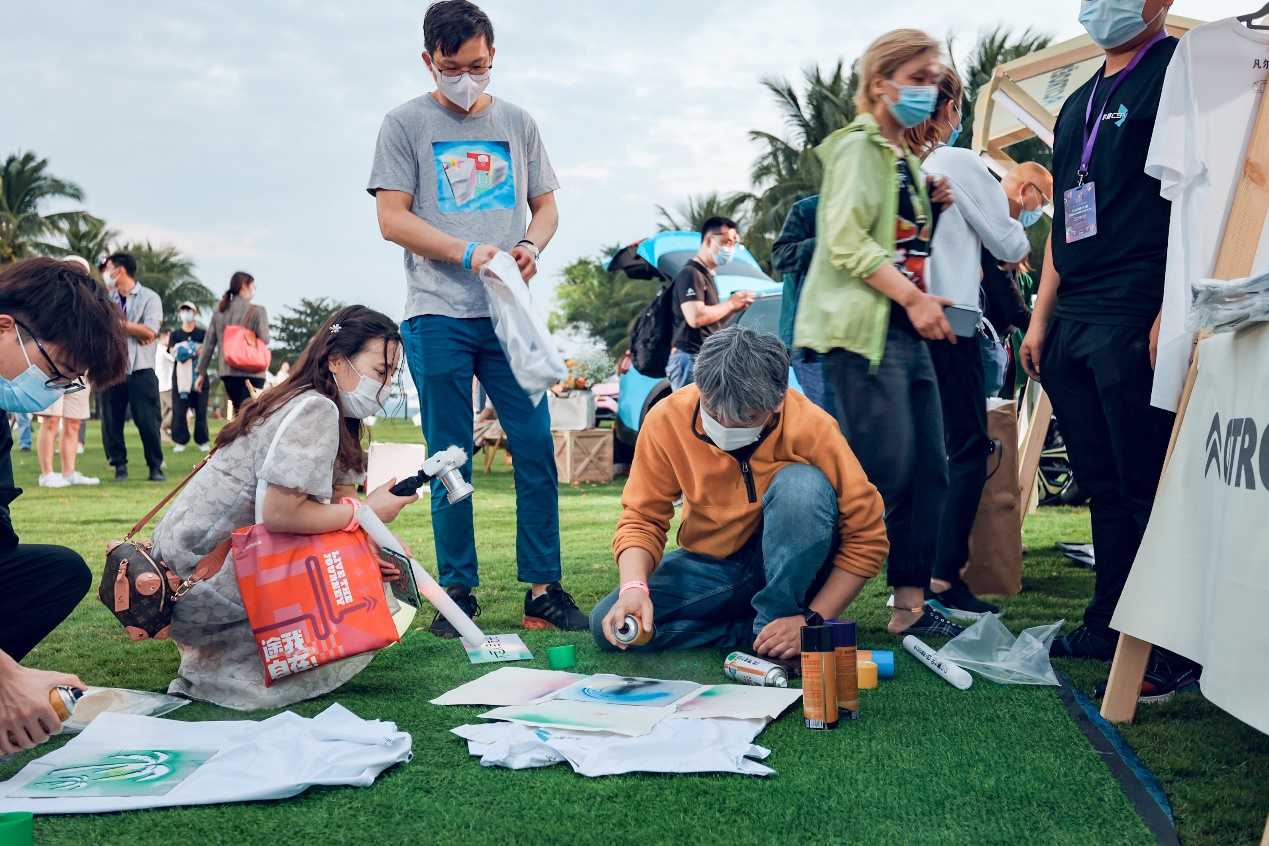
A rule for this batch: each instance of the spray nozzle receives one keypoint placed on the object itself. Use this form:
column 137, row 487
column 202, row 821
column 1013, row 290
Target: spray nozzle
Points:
column 445, row 465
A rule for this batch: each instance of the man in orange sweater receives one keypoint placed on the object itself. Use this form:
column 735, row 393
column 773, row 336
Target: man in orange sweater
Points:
column 780, row 529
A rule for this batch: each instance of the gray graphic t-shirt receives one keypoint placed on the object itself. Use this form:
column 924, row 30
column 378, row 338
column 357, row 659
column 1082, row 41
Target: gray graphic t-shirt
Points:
column 472, row 177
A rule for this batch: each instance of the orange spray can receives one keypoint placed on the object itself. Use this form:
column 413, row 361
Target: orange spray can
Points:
column 819, row 678
column 847, row 672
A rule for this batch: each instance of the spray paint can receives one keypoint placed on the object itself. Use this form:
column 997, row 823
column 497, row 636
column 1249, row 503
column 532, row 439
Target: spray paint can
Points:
column 819, row 678
column 847, row 672
column 631, row 633
column 63, row 700
column 747, row 669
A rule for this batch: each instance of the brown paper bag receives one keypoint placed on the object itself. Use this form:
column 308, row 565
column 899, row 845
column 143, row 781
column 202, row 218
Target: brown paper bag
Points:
column 995, row 546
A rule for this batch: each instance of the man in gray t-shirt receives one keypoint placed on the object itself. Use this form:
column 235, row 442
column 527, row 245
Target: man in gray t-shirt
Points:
column 458, row 176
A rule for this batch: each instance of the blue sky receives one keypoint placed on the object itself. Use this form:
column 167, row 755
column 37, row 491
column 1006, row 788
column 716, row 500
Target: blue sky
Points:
column 242, row 132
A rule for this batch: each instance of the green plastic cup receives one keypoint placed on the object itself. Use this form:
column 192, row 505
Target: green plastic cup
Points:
column 17, row 829
column 557, row 657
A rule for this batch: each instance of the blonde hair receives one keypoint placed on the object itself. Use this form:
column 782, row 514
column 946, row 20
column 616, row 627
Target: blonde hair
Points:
column 885, row 56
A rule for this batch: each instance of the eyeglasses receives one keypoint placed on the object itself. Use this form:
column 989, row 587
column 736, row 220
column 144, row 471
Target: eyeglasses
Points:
column 1047, row 199
column 58, row 380
column 474, row 70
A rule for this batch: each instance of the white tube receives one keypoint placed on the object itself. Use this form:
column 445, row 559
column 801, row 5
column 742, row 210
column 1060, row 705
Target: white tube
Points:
column 427, row 585
column 951, row 673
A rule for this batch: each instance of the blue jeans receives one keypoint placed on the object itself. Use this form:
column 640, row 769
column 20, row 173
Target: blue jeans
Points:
column 24, row 430
column 679, row 369
column 699, row 601
column 443, row 354
column 808, row 366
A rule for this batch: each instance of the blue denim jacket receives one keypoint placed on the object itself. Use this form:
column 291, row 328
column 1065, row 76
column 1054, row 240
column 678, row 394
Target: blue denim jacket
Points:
column 791, row 255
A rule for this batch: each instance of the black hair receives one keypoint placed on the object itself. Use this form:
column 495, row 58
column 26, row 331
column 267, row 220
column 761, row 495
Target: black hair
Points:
column 123, row 261
column 63, row 305
column 237, row 282
column 716, row 224
column 450, row 24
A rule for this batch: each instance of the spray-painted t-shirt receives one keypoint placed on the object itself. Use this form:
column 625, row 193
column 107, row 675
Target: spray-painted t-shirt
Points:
column 471, row 176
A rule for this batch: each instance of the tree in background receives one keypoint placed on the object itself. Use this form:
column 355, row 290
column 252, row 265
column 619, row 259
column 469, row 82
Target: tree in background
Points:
column 297, row 325
column 170, row 275
column 692, row 214
column 26, row 187
column 603, row 303
column 993, row 48
column 85, row 237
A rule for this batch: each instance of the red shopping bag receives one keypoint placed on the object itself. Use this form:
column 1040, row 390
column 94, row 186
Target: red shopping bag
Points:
column 243, row 348
column 311, row 599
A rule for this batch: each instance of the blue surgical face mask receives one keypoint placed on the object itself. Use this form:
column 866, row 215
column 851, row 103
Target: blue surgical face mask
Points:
column 1030, row 217
column 28, row 393
column 915, row 105
column 955, row 136
column 725, row 255
column 1113, row 23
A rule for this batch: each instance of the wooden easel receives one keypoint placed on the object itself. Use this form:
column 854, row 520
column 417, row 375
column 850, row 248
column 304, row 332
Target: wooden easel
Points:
column 1234, row 261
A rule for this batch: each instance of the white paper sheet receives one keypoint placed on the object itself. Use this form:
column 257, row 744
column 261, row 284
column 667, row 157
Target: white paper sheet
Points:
column 737, row 701
column 678, row 746
column 509, row 686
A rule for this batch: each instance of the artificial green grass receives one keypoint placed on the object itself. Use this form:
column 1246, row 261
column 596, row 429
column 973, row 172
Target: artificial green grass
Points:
column 925, row 764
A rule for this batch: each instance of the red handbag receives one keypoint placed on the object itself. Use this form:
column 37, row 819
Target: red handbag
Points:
column 243, row 348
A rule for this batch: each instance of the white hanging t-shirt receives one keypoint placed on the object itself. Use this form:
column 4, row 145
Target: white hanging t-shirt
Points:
column 1207, row 110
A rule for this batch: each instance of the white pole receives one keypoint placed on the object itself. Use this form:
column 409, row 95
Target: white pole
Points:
column 427, row 585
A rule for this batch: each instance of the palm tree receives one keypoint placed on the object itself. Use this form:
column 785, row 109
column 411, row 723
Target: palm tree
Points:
column 171, row 275
column 996, row 47
column 25, row 187
column 692, row 214
column 87, row 237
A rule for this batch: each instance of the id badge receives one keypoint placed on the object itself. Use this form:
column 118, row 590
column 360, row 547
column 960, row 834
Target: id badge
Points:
column 1081, row 212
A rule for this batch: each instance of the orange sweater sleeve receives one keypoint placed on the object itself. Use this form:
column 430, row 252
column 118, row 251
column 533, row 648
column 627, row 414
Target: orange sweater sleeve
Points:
column 860, row 512
column 647, row 503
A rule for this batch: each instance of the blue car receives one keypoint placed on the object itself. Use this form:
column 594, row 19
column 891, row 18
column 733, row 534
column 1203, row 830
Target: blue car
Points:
column 662, row 257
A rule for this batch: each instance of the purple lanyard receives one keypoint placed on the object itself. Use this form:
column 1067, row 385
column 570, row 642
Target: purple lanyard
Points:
column 1090, row 135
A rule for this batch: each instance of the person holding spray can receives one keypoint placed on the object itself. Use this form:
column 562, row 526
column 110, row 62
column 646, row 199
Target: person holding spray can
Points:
column 780, row 527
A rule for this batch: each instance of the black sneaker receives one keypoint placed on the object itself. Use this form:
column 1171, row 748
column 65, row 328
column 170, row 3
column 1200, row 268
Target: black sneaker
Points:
column 1086, row 642
column 958, row 602
column 933, row 624
column 461, row 594
column 554, row 609
column 121, row 473
column 1167, row 674
column 157, row 476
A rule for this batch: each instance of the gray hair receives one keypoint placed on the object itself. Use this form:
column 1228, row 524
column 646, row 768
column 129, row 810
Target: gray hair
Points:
column 741, row 372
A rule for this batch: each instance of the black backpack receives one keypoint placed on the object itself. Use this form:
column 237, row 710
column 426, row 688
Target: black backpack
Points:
column 653, row 335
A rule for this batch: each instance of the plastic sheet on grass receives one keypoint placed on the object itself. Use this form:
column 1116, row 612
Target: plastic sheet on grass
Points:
column 991, row 650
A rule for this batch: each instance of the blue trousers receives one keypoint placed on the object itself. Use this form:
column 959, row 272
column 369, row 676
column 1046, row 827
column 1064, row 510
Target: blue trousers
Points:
column 444, row 353
column 24, row 430
column 808, row 366
column 699, row 601
column 679, row 369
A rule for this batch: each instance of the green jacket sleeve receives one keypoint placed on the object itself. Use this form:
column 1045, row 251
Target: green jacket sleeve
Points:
column 851, row 203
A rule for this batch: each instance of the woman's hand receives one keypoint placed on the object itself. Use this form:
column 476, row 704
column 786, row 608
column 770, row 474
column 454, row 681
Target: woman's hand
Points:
column 926, row 313
column 27, row 718
column 385, row 504
column 634, row 603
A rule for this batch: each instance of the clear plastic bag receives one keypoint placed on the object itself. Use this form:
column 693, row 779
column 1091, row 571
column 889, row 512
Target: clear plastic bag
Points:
column 98, row 700
column 991, row 650
column 528, row 345
column 1220, row 306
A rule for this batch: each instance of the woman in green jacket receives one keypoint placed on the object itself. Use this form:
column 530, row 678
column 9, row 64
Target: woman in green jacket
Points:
column 866, row 307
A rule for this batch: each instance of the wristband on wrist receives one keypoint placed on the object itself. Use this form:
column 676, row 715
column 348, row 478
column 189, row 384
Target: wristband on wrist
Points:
column 471, row 248
column 353, row 525
column 634, row 585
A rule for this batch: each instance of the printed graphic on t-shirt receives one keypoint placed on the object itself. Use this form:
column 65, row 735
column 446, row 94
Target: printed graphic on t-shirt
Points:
column 912, row 238
column 474, row 176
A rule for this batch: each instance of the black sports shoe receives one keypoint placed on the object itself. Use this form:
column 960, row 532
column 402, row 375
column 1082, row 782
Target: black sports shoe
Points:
column 933, row 624
column 958, row 602
column 461, row 594
column 157, row 476
column 1167, row 674
column 121, row 473
column 554, row 609
column 1086, row 642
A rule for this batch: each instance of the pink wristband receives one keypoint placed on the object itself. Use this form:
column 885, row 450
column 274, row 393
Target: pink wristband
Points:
column 353, row 525
column 629, row 585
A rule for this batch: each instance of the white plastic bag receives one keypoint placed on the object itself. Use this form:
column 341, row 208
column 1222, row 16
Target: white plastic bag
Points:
column 99, row 700
column 1226, row 306
column 989, row 649
column 534, row 360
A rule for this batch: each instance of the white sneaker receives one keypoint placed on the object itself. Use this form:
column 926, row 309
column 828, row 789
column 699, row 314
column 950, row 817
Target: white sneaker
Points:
column 204, row 447
column 54, row 480
column 78, row 478
column 79, row 450
column 178, row 448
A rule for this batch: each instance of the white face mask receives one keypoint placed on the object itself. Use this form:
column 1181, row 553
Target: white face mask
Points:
column 108, row 279
column 462, row 90
column 729, row 439
column 365, row 400
column 187, row 316
column 725, row 255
